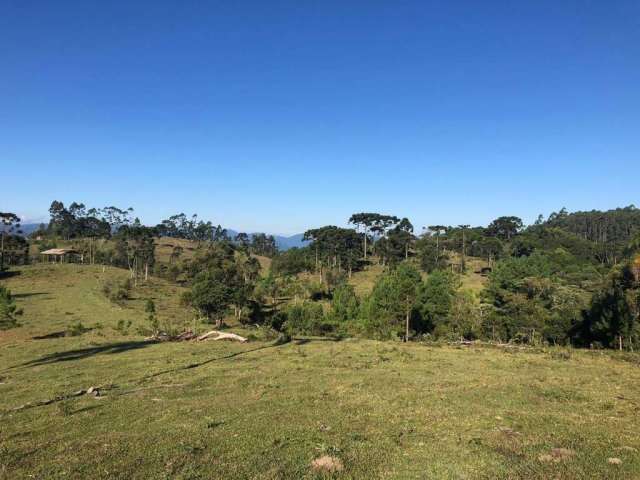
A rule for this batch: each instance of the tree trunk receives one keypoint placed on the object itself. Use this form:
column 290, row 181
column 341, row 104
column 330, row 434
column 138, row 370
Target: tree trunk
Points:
column 365, row 243
column 406, row 334
column 2, row 251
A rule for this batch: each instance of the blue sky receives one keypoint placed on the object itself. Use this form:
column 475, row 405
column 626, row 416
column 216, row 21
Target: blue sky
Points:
column 280, row 116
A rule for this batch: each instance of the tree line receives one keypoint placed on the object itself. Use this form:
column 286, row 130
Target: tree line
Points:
column 545, row 282
column 568, row 279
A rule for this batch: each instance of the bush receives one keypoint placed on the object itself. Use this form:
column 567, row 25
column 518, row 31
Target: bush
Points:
column 344, row 308
column 384, row 312
column 263, row 333
column 252, row 314
column 117, row 292
column 291, row 262
column 306, row 318
column 464, row 319
column 123, row 326
column 315, row 290
column 76, row 329
column 150, row 309
column 8, row 310
column 435, row 299
column 170, row 272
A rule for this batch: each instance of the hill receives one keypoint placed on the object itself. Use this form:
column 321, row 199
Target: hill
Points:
column 265, row 410
column 26, row 228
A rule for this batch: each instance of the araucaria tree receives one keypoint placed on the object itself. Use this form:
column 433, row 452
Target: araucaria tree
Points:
column 9, row 223
column 335, row 248
column 364, row 221
column 505, row 228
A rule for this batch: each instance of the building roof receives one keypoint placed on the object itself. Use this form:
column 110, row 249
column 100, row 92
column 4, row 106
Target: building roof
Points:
column 58, row 251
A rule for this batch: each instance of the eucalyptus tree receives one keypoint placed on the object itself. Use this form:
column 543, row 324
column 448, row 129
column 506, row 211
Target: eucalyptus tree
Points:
column 135, row 248
column 116, row 217
column 262, row 244
column 201, row 232
column 61, row 222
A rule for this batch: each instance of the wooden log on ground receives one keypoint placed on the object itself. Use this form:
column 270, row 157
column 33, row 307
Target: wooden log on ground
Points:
column 188, row 335
column 217, row 335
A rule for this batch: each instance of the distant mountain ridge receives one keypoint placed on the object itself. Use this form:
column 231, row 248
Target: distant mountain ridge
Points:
column 26, row 228
column 283, row 242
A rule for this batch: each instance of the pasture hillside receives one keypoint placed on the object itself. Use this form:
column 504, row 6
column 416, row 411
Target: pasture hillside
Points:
column 265, row 410
column 164, row 247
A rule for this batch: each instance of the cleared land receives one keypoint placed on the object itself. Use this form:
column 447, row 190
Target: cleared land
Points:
column 261, row 410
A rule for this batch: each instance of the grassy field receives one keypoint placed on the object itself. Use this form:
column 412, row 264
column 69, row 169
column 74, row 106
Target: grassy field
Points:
column 214, row 410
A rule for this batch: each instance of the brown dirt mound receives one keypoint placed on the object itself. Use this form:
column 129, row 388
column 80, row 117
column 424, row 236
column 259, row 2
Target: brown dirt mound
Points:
column 327, row 464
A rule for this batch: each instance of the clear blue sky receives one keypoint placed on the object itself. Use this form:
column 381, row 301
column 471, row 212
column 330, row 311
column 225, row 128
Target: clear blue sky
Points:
column 279, row 116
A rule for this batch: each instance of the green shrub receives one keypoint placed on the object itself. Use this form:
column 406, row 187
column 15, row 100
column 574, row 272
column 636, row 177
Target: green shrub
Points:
column 65, row 408
column 76, row 329
column 123, row 326
column 117, row 292
column 306, row 318
column 150, row 309
column 8, row 310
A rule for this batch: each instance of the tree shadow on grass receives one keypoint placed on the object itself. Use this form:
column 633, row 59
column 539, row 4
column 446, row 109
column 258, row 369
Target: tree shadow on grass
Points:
column 277, row 343
column 64, row 333
column 9, row 273
column 25, row 295
column 86, row 409
column 60, row 334
column 214, row 359
column 305, row 340
column 78, row 354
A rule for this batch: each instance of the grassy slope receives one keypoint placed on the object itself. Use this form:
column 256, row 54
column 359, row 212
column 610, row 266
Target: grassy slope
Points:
column 364, row 281
column 226, row 410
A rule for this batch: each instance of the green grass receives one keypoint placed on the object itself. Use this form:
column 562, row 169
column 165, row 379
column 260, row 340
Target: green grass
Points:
column 363, row 281
column 215, row 410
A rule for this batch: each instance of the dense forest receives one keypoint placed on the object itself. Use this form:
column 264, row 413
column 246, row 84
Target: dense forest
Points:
column 573, row 278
